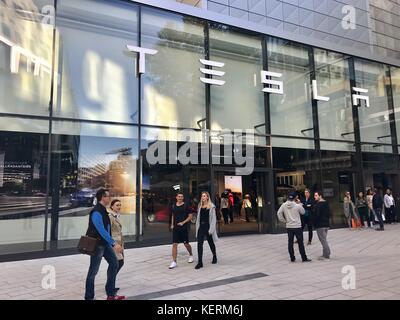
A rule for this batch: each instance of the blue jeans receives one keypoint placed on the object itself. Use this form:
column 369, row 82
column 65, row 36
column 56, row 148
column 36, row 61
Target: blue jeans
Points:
column 108, row 253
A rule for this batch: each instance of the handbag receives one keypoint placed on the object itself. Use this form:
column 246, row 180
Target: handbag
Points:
column 87, row 245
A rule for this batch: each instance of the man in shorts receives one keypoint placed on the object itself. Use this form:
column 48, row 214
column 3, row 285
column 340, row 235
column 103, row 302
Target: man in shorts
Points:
column 181, row 217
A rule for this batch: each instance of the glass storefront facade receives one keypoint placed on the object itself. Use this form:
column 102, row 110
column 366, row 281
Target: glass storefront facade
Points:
column 76, row 115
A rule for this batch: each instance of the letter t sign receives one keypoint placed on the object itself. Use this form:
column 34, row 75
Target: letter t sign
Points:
column 142, row 59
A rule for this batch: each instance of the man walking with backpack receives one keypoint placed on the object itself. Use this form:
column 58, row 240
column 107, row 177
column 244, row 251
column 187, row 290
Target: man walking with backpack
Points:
column 289, row 213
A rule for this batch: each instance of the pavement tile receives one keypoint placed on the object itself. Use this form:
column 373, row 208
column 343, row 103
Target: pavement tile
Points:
column 374, row 255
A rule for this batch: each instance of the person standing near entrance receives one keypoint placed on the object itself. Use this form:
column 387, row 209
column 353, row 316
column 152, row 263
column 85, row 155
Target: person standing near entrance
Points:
column 231, row 204
column 100, row 228
column 225, row 207
column 362, row 209
column 289, row 213
column 350, row 210
column 206, row 224
column 247, row 207
column 389, row 207
column 321, row 217
column 308, row 205
column 371, row 211
column 181, row 217
column 377, row 204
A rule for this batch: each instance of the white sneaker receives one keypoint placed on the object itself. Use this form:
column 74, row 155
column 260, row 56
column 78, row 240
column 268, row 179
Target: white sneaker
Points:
column 322, row 258
column 173, row 265
column 190, row 259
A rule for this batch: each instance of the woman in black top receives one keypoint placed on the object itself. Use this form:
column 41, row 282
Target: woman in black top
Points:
column 206, row 228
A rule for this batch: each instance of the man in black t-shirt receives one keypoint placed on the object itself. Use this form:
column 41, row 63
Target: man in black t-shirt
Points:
column 181, row 216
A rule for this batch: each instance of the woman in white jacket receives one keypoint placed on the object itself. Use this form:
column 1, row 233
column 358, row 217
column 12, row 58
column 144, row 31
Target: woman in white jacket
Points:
column 206, row 227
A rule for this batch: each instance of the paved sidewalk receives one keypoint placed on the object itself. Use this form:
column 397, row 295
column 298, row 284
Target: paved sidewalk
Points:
column 249, row 267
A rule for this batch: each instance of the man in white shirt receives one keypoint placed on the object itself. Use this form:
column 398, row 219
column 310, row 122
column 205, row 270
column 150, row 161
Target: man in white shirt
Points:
column 389, row 207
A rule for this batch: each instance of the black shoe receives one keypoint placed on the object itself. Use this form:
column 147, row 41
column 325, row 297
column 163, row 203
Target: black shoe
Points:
column 214, row 260
column 199, row 265
column 292, row 260
column 307, row 260
column 380, row 229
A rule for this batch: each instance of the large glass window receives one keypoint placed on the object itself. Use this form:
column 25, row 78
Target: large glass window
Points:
column 395, row 73
column 332, row 75
column 295, row 169
column 26, row 41
column 291, row 112
column 339, row 174
column 23, row 172
column 239, row 103
column 86, row 157
column 96, row 72
column 374, row 121
column 163, row 176
column 172, row 92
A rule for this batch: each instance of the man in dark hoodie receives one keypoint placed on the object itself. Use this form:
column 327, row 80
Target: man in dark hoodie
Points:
column 321, row 217
column 289, row 213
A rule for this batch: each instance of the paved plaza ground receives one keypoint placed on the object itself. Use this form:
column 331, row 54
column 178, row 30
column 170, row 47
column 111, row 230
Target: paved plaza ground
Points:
column 249, row 267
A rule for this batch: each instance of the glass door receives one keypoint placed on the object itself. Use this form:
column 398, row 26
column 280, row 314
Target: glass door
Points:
column 241, row 201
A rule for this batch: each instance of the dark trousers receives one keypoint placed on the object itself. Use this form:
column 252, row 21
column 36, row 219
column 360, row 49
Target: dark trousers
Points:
column 378, row 212
column 203, row 233
column 231, row 213
column 248, row 213
column 108, row 253
column 298, row 232
column 364, row 216
column 225, row 214
column 306, row 221
column 390, row 214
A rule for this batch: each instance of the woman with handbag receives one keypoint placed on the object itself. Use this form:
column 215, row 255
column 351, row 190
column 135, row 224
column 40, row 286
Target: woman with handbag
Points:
column 116, row 231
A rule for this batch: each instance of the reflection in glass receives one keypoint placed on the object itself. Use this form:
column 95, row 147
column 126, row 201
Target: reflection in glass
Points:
column 239, row 103
column 25, row 58
column 172, row 92
column 295, row 169
column 291, row 113
column 23, row 172
column 381, row 171
column 338, row 176
column 161, row 182
column 97, row 72
column 335, row 116
column 395, row 73
column 374, row 121
column 86, row 159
